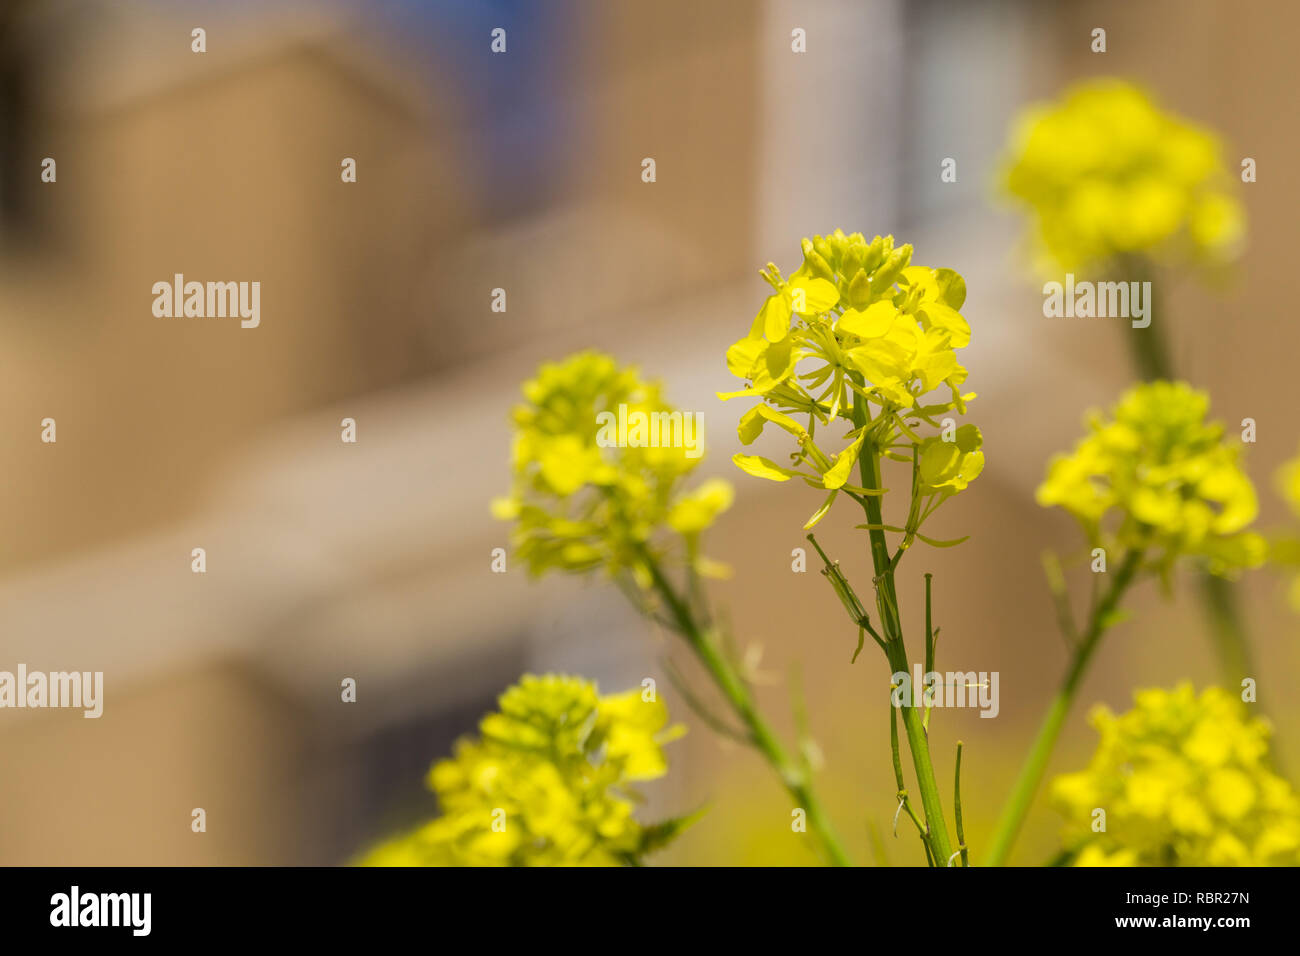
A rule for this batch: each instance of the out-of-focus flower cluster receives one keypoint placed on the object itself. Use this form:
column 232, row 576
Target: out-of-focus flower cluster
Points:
column 1284, row 548
column 857, row 323
column 1106, row 173
column 1184, row 781
column 546, row 783
column 1157, row 476
column 579, row 504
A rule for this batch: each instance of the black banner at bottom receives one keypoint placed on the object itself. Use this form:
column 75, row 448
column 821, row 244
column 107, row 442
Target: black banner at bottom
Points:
column 909, row 906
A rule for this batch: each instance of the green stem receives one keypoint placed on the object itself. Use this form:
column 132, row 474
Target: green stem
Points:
column 1220, row 599
column 919, row 744
column 1147, row 347
column 956, row 811
column 1031, row 773
column 887, row 605
column 901, row 795
column 740, row 697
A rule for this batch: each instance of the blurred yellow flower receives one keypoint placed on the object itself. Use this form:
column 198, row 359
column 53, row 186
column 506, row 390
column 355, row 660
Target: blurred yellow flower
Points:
column 546, row 783
column 1166, row 476
column 580, row 503
column 1184, row 781
column 1107, row 173
column 1284, row 548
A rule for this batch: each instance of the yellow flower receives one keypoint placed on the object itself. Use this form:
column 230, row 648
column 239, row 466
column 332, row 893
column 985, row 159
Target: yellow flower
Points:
column 697, row 510
column 581, row 503
column 951, row 465
column 1184, row 781
column 867, row 325
column 1284, row 548
column 1107, row 173
column 1095, row 856
column 546, row 783
column 1156, row 475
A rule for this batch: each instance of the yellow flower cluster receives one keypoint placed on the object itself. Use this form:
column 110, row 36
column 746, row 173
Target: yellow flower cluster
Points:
column 546, row 783
column 1284, row 549
column 856, row 322
column 1166, row 476
column 579, row 503
column 1288, row 483
column 1184, row 781
column 1106, row 173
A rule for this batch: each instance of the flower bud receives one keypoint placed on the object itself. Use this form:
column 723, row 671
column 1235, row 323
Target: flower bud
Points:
column 876, row 253
column 860, row 290
column 888, row 274
column 823, row 248
column 855, row 254
column 818, row 266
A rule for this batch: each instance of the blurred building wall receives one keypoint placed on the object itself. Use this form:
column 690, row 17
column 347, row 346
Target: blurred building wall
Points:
column 325, row 560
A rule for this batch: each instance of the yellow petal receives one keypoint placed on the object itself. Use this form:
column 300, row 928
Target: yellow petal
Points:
column 870, row 323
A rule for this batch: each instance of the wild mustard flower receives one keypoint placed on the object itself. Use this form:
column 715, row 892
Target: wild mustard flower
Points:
column 1151, row 484
column 857, row 320
column 579, row 505
column 1107, row 173
column 857, row 342
column 1156, row 475
column 547, row 783
column 1184, row 781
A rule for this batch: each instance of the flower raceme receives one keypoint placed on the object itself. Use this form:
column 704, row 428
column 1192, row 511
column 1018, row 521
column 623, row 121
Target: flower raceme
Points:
column 858, row 323
column 1155, row 475
column 1184, row 781
column 1107, row 173
column 580, row 503
column 1284, row 548
column 547, row 783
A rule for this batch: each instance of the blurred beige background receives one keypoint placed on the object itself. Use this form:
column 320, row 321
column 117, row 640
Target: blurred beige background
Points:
column 327, row 560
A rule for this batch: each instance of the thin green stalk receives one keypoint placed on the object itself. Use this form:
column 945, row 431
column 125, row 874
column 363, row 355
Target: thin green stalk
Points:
column 1220, row 599
column 929, row 626
column 903, row 802
column 956, row 811
column 877, row 844
column 887, row 606
column 1031, row 773
column 918, row 743
column 742, row 702
column 929, row 650
column 1147, row 347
